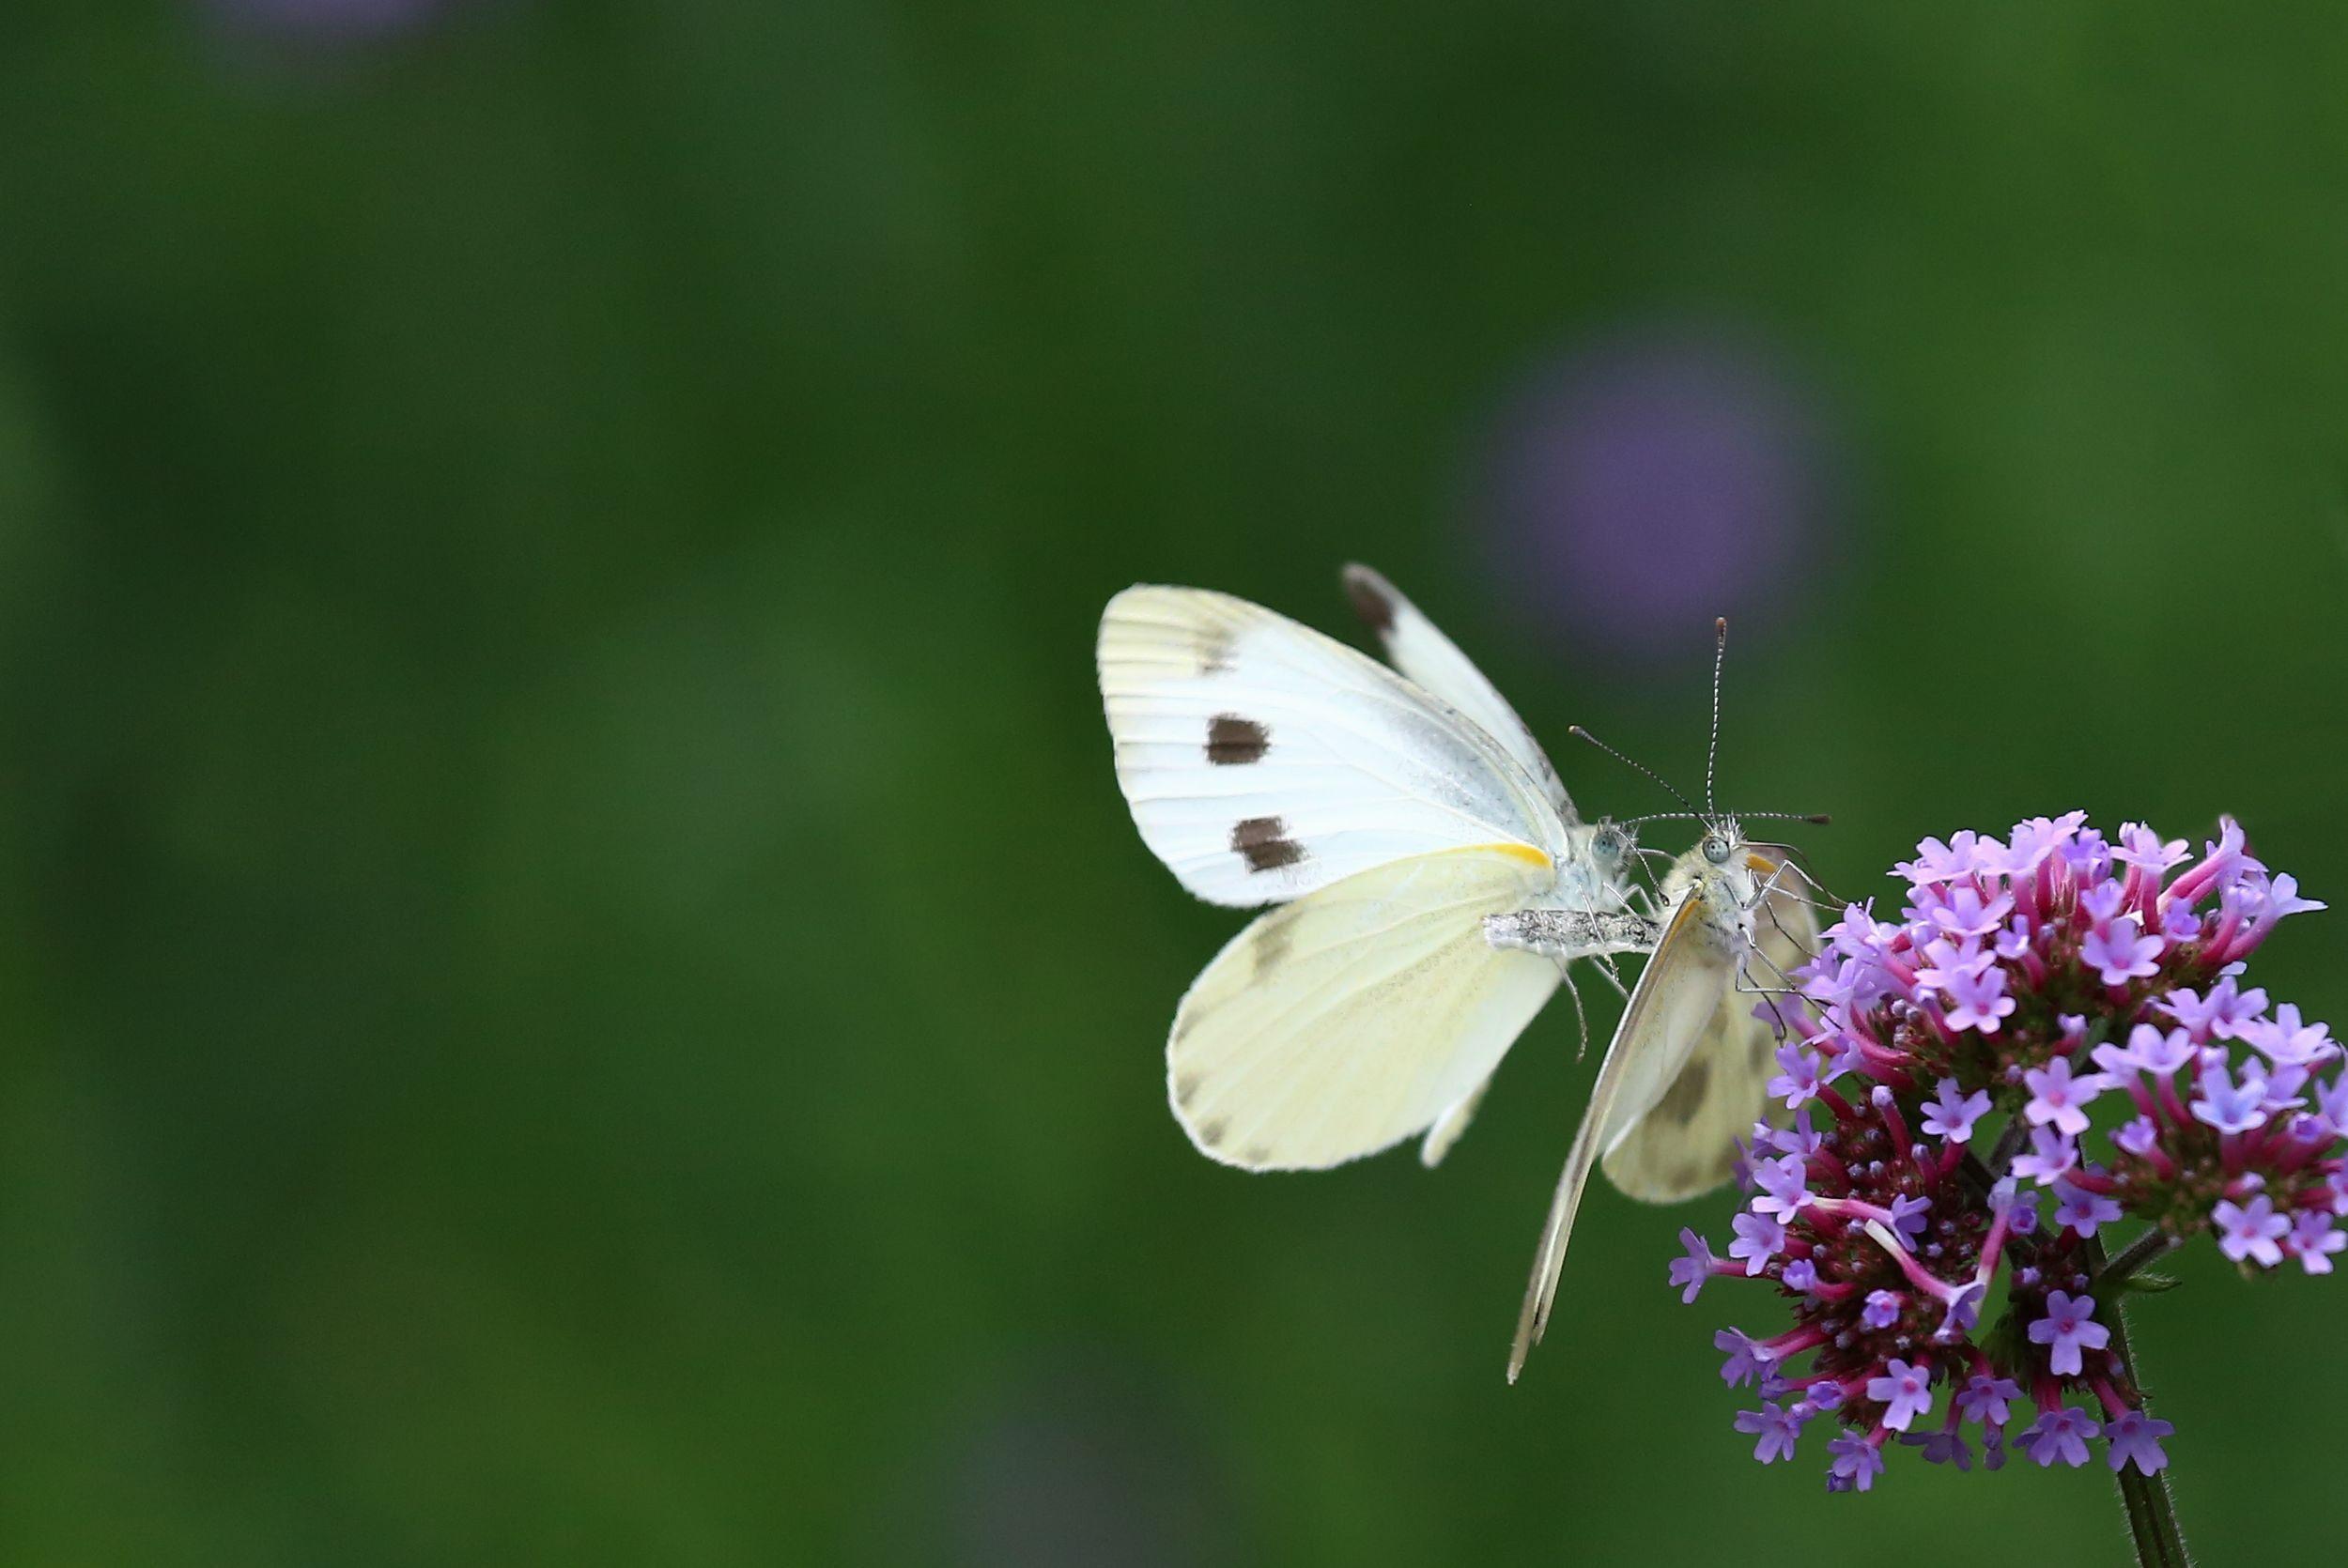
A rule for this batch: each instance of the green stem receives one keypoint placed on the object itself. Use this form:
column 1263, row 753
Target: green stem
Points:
column 2139, row 1252
column 2152, row 1511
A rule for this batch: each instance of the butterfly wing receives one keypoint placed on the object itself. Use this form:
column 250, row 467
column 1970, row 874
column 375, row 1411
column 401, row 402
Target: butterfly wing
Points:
column 1263, row 761
column 1450, row 1126
column 1434, row 662
column 1687, row 1144
column 1667, row 1011
column 1351, row 1018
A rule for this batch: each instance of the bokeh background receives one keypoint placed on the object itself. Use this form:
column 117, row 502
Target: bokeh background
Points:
column 575, row 986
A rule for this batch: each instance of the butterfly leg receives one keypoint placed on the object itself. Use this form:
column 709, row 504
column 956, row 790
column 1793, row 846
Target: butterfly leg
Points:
column 1827, row 899
column 1787, row 985
column 1580, row 1016
column 1761, row 898
column 1613, row 977
column 1769, row 995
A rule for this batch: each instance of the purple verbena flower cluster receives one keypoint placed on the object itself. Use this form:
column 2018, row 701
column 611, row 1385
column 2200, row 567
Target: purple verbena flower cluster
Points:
column 2058, row 981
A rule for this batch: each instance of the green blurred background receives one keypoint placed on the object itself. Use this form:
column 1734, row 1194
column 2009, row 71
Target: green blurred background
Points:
column 576, row 985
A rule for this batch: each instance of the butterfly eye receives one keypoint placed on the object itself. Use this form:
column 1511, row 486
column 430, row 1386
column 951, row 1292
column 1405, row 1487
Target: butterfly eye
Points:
column 1608, row 845
column 1716, row 849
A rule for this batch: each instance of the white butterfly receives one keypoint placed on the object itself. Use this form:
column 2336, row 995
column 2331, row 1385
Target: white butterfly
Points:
column 1436, row 883
column 1389, row 814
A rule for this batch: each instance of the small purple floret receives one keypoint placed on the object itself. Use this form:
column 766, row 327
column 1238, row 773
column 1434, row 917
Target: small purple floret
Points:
column 1988, row 1399
column 1778, row 1430
column 2056, row 1097
column 1952, row 1115
column 2058, row 1434
column 1907, row 1390
column 2133, row 1438
column 1689, row 1272
column 1857, row 1462
column 1748, row 1360
column 2251, row 1231
column 2068, row 1328
column 1759, row 1238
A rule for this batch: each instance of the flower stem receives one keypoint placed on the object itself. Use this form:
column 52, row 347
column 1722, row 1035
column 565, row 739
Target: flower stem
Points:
column 2010, row 1144
column 2139, row 1252
column 2152, row 1511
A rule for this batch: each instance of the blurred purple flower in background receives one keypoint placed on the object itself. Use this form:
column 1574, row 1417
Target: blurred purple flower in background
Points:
column 1644, row 485
column 330, row 23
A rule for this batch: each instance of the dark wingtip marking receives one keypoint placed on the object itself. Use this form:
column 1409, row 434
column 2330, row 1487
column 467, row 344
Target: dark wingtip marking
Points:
column 1255, row 1154
column 1371, row 600
column 1232, row 740
column 1265, row 844
column 1211, row 1133
column 1185, row 1087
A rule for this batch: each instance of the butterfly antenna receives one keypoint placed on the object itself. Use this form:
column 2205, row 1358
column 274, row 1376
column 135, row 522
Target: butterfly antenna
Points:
column 1712, row 754
column 1816, row 819
column 1585, row 735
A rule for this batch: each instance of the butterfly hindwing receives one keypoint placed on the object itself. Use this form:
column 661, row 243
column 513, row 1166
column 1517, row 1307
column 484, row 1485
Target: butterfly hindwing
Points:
column 1358, row 1016
column 1450, row 1126
column 1686, row 1145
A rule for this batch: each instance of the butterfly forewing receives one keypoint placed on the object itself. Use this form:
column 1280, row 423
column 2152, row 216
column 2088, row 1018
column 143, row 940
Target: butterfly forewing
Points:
column 1263, row 761
column 1415, row 647
column 1667, row 1012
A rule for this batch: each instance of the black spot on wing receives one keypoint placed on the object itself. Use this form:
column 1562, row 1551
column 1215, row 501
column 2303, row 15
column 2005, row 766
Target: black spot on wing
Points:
column 1685, row 1097
column 1265, row 844
column 1185, row 1089
column 1232, row 740
column 1211, row 1133
column 1371, row 600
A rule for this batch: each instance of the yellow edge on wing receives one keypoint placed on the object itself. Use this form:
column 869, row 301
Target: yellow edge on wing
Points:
column 1510, row 848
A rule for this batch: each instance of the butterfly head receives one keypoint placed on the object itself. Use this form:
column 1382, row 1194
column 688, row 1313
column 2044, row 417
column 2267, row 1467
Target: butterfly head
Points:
column 1612, row 845
column 1601, row 864
column 1721, row 869
column 1729, row 871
